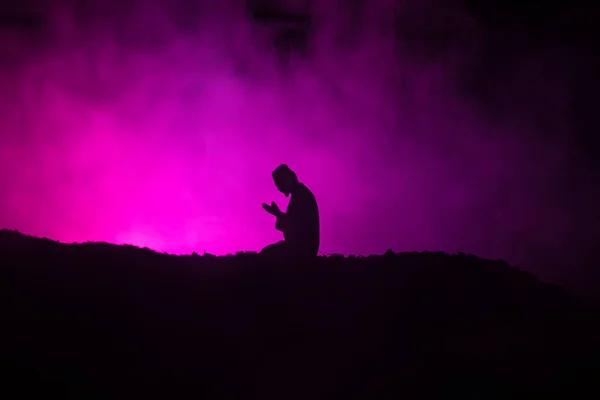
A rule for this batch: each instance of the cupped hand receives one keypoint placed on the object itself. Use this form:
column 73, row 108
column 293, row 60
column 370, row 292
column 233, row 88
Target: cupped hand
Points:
column 272, row 209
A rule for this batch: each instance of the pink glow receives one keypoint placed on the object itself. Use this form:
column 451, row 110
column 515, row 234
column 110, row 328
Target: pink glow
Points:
column 169, row 143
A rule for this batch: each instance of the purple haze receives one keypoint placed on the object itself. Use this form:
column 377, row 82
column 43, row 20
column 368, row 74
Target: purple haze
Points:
column 129, row 125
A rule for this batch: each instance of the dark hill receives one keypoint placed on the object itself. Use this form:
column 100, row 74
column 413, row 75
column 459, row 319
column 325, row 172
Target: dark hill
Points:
column 96, row 320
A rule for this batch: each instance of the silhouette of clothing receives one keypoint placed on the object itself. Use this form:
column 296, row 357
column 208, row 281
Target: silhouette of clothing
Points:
column 277, row 250
column 299, row 224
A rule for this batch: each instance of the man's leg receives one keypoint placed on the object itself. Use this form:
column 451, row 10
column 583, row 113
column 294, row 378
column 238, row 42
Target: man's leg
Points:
column 276, row 250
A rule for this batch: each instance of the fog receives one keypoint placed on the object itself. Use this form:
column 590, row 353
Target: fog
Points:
column 158, row 124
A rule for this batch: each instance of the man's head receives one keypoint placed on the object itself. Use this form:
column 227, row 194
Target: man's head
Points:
column 285, row 179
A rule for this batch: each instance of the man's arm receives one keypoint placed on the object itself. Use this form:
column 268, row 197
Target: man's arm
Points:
column 281, row 222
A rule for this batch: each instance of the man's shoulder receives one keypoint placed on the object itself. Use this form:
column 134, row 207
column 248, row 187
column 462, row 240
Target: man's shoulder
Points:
column 302, row 188
column 305, row 192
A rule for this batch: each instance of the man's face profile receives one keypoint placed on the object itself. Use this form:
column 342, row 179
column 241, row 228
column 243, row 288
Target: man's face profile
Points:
column 281, row 186
column 284, row 179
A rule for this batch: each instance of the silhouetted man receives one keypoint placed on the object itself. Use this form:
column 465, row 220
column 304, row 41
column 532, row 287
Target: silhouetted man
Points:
column 300, row 223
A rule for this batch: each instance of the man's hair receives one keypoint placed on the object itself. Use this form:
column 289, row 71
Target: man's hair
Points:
column 284, row 171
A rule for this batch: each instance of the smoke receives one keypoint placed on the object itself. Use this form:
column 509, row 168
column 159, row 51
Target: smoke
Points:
column 159, row 123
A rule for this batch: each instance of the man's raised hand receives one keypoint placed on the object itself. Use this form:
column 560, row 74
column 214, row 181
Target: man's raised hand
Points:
column 272, row 209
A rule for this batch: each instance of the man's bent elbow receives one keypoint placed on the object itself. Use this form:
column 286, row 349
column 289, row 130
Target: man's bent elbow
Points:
column 280, row 224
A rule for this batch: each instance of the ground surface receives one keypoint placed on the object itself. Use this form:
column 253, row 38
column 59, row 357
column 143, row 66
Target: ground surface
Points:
column 104, row 321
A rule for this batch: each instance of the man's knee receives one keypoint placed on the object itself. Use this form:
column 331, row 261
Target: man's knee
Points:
column 275, row 249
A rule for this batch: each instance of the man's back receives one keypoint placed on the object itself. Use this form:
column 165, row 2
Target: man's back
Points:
column 303, row 219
